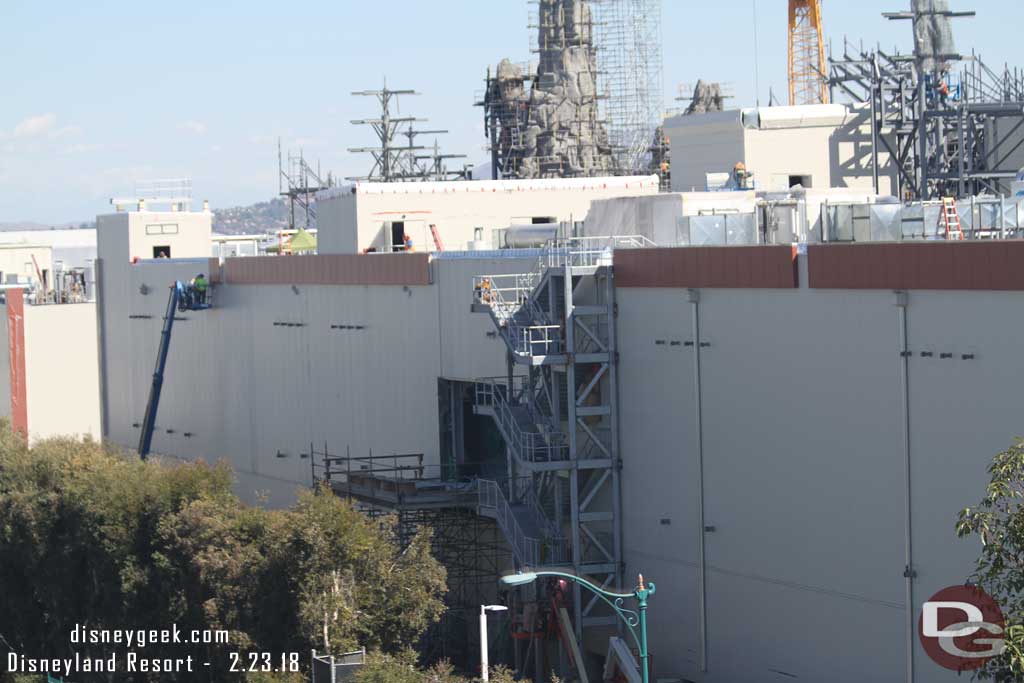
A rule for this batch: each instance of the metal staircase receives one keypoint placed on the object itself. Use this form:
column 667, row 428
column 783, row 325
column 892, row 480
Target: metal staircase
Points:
column 532, row 440
column 556, row 409
column 534, row 540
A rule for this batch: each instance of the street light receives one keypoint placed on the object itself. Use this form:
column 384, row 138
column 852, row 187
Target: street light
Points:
column 484, row 609
column 614, row 600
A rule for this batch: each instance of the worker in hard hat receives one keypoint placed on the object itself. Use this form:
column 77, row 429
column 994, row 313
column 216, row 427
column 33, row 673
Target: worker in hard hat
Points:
column 483, row 290
column 199, row 286
column 740, row 177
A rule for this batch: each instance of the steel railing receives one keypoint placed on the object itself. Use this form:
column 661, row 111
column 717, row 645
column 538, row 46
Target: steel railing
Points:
column 511, row 298
column 515, row 311
column 527, row 550
column 590, row 251
column 527, row 493
column 530, row 551
column 525, row 445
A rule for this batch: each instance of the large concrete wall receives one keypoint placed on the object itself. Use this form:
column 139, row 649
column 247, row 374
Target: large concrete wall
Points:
column 711, row 142
column 6, row 344
column 470, row 348
column 62, row 387
column 801, row 429
column 832, row 149
column 241, row 386
column 353, row 218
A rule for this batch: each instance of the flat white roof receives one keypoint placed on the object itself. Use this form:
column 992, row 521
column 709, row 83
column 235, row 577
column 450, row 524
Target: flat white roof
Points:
column 77, row 237
column 768, row 118
column 20, row 245
column 467, row 186
column 247, row 237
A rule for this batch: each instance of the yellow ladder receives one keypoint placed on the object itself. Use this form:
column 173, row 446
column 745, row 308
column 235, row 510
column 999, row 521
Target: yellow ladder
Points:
column 949, row 219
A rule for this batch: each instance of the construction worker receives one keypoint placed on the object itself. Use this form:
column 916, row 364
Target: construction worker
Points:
column 483, row 290
column 199, row 286
column 407, row 241
column 739, row 178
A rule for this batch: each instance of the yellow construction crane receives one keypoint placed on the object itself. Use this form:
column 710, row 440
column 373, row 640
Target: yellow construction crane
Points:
column 807, row 83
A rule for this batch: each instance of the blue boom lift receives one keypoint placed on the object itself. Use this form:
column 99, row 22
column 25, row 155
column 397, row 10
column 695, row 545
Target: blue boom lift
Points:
column 183, row 297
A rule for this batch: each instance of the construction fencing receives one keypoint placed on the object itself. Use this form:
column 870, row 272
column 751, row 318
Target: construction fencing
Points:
column 332, row 668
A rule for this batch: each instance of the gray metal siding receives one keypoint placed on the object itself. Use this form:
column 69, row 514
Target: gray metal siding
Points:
column 467, row 352
column 247, row 389
column 659, row 477
column 804, row 469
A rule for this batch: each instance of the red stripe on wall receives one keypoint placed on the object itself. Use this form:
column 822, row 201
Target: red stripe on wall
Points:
column 213, row 271
column 16, row 356
column 329, row 269
column 981, row 265
column 755, row 267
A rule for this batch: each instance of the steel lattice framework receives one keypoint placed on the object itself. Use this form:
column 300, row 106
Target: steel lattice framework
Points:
column 807, row 76
column 628, row 38
column 951, row 126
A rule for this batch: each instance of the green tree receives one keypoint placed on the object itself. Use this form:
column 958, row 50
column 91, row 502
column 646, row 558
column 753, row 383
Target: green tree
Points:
column 998, row 522
column 401, row 668
column 359, row 591
column 93, row 536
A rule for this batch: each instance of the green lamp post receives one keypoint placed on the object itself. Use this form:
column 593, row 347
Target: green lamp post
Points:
column 614, row 600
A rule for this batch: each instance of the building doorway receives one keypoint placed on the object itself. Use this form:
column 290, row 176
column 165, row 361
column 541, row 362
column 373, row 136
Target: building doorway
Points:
column 397, row 236
column 471, row 445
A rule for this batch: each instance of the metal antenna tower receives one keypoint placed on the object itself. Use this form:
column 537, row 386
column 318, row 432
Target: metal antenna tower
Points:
column 299, row 182
column 390, row 160
column 393, row 160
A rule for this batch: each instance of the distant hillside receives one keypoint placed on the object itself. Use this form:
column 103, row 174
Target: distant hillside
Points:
column 262, row 217
column 29, row 225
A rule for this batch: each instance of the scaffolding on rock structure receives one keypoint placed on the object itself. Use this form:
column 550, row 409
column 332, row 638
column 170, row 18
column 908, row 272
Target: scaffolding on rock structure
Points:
column 949, row 124
column 628, row 36
column 592, row 101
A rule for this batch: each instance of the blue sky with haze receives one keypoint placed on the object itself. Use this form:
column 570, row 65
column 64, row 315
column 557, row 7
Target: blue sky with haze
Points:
column 96, row 95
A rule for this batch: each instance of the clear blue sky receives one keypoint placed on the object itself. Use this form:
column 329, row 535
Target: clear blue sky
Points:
column 96, row 95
